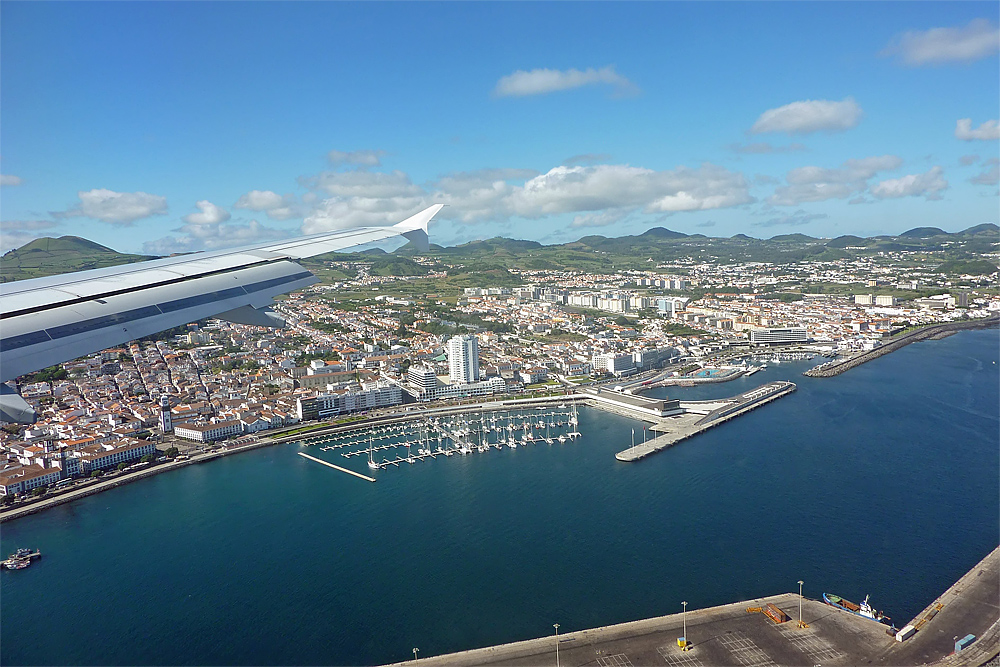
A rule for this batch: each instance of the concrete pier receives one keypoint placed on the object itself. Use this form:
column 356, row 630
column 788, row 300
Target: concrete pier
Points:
column 729, row 635
column 335, row 467
column 699, row 416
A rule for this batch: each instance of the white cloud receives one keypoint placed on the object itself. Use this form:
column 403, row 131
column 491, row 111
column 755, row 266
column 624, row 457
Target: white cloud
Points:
column 276, row 207
column 979, row 39
column 363, row 184
column 928, row 185
column 210, row 214
column 336, row 213
column 967, row 160
column 496, row 195
column 541, row 81
column 812, row 184
column 990, row 175
column 364, row 158
column 796, row 219
column 574, row 189
column 764, row 148
column 810, row 116
column 7, row 179
column 212, row 237
column 988, row 131
column 601, row 219
column 120, row 208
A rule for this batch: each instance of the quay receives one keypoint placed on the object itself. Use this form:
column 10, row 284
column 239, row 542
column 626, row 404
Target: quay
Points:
column 694, row 417
column 336, row 467
column 833, row 368
column 731, row 635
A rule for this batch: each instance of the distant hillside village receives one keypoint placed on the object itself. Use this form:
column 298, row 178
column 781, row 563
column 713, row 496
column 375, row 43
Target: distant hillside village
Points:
column 222, row 383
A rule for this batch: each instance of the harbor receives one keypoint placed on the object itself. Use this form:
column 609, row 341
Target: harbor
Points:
column 783, row 629
column 565, row 533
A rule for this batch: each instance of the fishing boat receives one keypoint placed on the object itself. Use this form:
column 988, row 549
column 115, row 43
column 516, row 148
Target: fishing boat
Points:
column 864, row 609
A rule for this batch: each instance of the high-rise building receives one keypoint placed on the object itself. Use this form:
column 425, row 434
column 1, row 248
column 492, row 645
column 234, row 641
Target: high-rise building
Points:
column 166, row 425
column 463, row 359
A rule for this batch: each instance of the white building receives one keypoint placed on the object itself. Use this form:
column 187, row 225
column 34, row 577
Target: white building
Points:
column 463, row 359
column 208, row 432
column 770, row 336
column 616, row 364
column 370, row 396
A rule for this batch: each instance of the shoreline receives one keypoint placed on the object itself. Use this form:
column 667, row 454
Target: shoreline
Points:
column 71, row 495
column 932, row 331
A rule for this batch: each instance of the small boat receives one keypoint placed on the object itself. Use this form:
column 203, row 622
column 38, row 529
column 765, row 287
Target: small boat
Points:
column 864, row 609
column 16, row 563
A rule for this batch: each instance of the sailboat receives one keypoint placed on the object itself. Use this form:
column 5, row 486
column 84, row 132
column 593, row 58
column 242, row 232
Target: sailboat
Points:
column 371, row 461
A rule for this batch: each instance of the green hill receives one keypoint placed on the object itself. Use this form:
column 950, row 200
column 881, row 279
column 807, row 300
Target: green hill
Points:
column 973, row 267
column 50, row 256
column 848, row 241
column 923, row 233
column 985, row 228
column 793, row 238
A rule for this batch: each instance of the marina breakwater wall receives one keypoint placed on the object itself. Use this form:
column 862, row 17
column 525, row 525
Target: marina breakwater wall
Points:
column 935, row 330
column 682, row 429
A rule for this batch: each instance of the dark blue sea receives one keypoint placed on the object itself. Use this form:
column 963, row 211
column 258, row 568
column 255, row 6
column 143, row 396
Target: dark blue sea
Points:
column 881, row 481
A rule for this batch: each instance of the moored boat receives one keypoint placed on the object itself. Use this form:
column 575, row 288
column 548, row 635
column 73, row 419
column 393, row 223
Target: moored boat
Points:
column 864, row 609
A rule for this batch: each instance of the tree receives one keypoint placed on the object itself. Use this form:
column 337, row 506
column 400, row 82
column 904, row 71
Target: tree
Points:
column 171, row 453
column 147, row 458
column 38, row 490
column 97, row 473
column 122, row 465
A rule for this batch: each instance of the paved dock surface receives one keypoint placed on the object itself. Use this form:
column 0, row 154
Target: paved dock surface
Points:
column 729, row 635
column 702, row 415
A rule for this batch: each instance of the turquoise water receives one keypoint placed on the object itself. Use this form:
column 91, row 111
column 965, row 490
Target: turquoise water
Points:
column 882, row 480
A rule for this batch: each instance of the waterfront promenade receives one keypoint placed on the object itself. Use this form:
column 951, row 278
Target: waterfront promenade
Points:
column 729, row 635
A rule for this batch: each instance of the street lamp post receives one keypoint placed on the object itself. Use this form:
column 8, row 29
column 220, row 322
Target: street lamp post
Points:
column 556, row 626
column 801, row 624
column 685, row 619
column 415, row 649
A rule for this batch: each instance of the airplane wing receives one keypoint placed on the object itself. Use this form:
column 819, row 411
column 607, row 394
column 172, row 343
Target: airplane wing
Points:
column 45, row 321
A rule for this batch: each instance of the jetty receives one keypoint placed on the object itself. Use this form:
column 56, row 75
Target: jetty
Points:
column 832, row 368
column 336, row 467
column 694, row 417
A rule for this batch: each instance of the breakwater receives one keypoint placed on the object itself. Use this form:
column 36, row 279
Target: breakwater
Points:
column 700, row 416
column 935, row 330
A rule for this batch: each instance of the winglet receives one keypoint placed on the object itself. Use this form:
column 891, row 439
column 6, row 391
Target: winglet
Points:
column 414, row 228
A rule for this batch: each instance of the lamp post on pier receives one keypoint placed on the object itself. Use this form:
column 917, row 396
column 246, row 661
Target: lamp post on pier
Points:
column 801, row 624
column 415, row 649
column 684, row 616
column 556, row 626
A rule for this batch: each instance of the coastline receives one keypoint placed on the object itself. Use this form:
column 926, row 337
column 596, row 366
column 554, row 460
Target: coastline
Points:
column 933, row 332
column 831, row 369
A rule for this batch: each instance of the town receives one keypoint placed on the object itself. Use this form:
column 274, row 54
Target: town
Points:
column 364, row 343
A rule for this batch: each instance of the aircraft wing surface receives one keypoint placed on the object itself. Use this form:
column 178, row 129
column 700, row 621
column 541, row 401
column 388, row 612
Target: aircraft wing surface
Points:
column 45, row 321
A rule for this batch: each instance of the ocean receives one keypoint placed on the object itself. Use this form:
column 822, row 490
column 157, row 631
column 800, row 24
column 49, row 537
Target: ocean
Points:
column 880, row 481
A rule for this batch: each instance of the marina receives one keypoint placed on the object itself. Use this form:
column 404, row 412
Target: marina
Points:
column 455, row 435
column 565, row 534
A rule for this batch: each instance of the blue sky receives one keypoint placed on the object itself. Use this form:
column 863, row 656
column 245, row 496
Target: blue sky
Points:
column 166, row 127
